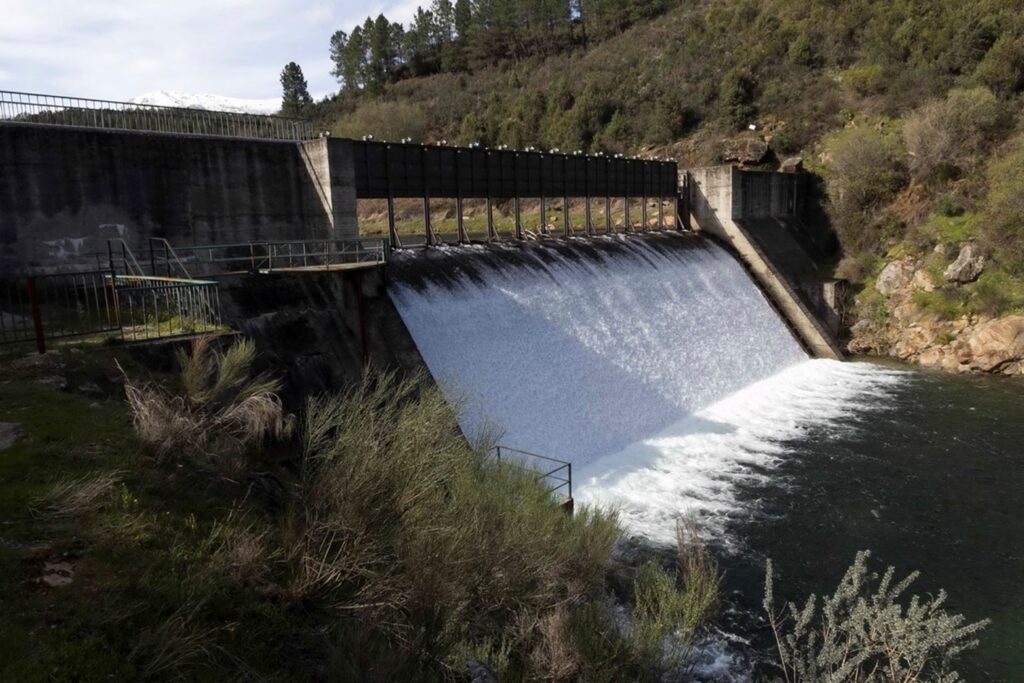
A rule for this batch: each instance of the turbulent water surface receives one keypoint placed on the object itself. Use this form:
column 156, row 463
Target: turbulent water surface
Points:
column 658, row 369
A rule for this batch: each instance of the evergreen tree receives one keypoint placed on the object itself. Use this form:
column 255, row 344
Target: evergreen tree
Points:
column 295, row 93
column 348, row 53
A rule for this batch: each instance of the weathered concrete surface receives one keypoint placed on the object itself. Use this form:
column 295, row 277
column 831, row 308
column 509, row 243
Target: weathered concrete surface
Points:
column 722, row 199
column 64, row 191
column 320, row 329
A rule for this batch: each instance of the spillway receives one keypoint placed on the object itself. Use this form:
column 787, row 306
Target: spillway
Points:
column 653, row 364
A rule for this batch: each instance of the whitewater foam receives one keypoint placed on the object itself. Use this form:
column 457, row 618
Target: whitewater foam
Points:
column 694, row 467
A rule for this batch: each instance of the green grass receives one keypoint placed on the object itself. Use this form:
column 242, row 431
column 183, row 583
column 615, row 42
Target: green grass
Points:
column 377, row 545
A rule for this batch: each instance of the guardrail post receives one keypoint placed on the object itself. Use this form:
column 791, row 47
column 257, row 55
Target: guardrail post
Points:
column 37, row 316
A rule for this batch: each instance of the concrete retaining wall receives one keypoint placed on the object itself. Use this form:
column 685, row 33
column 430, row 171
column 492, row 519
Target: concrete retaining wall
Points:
column 65, row 191
column 749, row 213
column 318, row 330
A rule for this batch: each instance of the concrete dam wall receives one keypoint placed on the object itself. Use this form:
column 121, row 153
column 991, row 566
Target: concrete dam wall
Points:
column 64, row 191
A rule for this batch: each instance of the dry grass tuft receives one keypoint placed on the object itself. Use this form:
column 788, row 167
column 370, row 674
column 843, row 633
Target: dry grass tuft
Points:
column 170, row 650
column 80, row 497
column 222, row 415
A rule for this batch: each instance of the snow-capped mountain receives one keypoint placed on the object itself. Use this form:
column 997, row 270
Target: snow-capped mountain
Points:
column 237, row 105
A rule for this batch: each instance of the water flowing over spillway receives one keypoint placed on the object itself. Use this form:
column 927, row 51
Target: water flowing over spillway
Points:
column 653, row 364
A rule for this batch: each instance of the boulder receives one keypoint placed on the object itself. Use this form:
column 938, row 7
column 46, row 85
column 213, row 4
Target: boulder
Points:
column 792, row 165
column 745, row 150
column 996, row 345
column 896, row 275
column 945, row 249
column 967, row 266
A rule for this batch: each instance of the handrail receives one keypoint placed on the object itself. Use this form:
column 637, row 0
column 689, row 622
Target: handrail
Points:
column 170, row 257
column 39, row 108
column 270, row 255
column 561, row 465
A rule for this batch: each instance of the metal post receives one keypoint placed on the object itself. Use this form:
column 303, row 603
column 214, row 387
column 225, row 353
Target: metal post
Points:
column 491, row 233
column 607, row 214
column 643, row 214
column 392, row 232
column 459, row 225
column 566, row 226
column 37, row 316
column 428, row 230
column 543, row 214
column 518, row 218
column 661, row 213
column 629, row 228
column 152, row 257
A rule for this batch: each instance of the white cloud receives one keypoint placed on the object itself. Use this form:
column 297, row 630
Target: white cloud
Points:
column 117, row 49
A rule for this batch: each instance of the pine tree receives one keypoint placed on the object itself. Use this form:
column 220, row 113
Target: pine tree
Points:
column 295, row 93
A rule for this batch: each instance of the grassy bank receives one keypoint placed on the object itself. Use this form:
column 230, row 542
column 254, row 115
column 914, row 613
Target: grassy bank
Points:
column 209, row 536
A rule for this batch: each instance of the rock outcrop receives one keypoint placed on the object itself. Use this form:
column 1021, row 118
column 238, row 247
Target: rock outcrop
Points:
column 744, row 150
column 895, row 276
column 997, row 345
column 970, row 343
column 968, row 265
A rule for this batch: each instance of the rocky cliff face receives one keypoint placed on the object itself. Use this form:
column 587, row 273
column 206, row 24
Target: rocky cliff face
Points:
column 970, row 343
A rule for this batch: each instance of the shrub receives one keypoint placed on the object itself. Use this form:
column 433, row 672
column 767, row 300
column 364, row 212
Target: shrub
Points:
column 869, row 79
column 947, row 304
column 736, row 95
column 385, row 121
column 222, row 414
column 863, row 169
column 1003, row 224
column 400, row 524
column 950, row 132
column 1002, row 68
column 862, row 632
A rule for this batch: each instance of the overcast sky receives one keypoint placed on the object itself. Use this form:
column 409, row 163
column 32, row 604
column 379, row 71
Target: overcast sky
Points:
column 118, row 49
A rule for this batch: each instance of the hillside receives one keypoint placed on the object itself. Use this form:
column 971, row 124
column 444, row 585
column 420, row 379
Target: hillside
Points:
column 909, row 111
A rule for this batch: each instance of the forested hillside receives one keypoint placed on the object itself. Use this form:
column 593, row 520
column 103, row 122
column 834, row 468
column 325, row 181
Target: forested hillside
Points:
column 908, row 109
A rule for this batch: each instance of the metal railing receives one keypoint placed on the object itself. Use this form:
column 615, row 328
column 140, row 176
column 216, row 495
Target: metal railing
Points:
column 58, row 110
column 40, row 307
column 555, row 475
column 270, row 256
column 43, row 308
column 157, row 308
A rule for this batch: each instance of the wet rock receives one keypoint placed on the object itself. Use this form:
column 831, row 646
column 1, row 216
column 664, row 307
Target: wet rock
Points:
column 930, row 357
column 896, row 275
column 997, row 345
column 10, row 432
column 967, row 266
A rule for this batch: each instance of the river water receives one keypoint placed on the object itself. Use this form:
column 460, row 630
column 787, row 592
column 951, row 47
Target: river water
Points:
column 929, row 476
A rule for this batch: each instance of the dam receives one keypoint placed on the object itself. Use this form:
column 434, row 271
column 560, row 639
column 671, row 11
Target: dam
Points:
column 653, row 359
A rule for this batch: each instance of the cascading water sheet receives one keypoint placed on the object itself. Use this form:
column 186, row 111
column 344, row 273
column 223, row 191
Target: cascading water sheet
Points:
column 653, row 364
column 578, row 354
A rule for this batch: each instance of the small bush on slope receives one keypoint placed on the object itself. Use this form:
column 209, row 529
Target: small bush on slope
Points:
column 861, row 633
